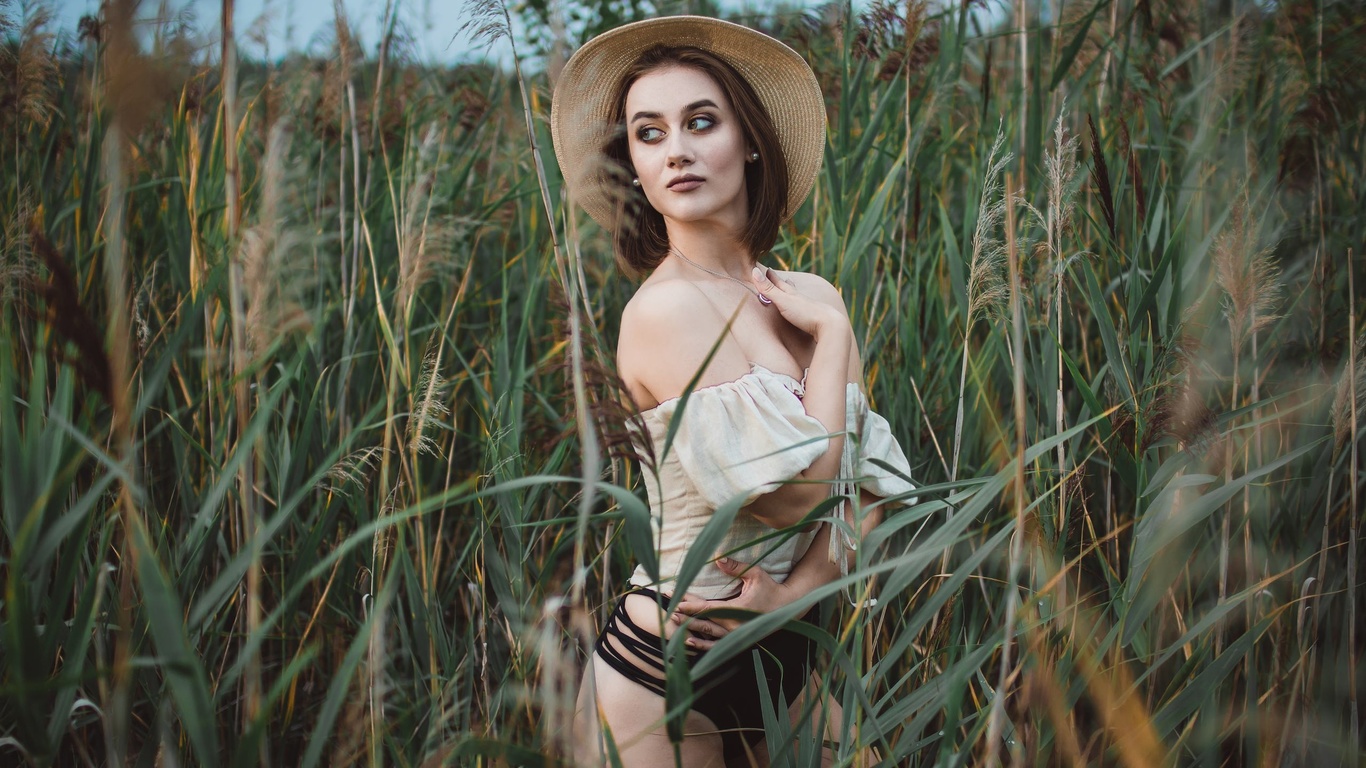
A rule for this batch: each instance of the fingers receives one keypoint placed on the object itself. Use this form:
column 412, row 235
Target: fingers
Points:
column 761, row 282
column 691, row 606
column 732, row 567
column 707, row 629
column 702, row 634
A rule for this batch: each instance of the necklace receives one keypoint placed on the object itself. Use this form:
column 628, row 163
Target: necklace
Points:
column 762, row 298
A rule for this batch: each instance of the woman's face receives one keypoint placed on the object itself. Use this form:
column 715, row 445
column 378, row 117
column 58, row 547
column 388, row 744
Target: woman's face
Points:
column 687, row 147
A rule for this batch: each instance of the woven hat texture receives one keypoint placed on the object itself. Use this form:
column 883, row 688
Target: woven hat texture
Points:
column 582, row 102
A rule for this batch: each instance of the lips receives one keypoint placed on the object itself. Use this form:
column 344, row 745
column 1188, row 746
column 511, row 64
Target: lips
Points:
column 685, row 182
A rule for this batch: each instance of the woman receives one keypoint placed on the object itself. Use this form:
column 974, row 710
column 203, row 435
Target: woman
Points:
column 692, row 139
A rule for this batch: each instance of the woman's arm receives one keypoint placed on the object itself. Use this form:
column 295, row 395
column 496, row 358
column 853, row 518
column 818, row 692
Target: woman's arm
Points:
column 758, row 590
column 817, row 309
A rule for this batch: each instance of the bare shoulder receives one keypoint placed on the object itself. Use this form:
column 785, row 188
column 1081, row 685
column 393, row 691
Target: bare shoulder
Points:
column 658, row 299
column 815, row 286
column 669, row 330
column 660, row 309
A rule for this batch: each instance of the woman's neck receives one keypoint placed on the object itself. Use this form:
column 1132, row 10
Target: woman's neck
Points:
column 714, row 250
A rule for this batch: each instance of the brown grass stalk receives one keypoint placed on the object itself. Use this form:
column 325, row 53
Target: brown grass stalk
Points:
column 248, row 512
column 1249, row 279
column 120, row 55
column 1352, row 531
column 1060, row 165
column 998, row 713
column 1022, row 47
column 1135, row 173
column 388, row 20
column 1100, row 173
column 986, row 286
column 343, row 88
column 1044, row 688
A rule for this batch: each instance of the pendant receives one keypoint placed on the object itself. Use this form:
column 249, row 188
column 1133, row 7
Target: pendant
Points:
column 764, row 299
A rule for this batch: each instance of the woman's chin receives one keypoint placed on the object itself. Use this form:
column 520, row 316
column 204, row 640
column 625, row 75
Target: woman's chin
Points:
column 704, row 215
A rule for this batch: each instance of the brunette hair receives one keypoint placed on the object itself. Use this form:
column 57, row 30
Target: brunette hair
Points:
column 638, row 233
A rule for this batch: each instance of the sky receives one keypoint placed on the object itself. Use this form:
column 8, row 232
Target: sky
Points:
column 285, row 25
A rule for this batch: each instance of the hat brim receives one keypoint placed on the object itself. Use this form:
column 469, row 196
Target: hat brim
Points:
column 582, row 103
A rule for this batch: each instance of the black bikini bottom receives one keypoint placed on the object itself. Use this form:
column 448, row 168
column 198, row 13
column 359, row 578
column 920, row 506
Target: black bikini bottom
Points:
column 729, row 695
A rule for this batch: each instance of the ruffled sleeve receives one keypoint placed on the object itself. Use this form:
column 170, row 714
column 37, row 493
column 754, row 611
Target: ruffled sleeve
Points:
column 878, row 443
column 746, row 436
column 874, row 441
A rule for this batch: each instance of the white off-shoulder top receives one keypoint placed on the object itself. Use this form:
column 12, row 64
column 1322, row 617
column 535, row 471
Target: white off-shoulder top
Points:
column 747, row 437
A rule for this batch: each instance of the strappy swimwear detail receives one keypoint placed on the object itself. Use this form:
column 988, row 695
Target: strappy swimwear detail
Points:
column 729, row 695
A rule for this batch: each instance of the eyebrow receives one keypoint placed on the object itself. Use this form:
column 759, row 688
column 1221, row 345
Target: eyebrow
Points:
column 655, row 115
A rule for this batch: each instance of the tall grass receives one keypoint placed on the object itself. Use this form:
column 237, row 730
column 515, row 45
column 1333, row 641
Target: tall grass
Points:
column 297, row 396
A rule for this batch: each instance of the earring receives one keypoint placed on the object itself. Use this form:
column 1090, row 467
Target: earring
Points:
column 635, row 182
column 753, row 156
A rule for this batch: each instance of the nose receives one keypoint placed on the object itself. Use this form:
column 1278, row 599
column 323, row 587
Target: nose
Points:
column 680, row 150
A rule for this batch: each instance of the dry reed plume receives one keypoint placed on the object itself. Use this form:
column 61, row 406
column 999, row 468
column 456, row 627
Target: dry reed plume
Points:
column 986, row 288
column 274, row 264
column 1248, row 276
column 430, row 407
column 425, row 241
column 29, row 72
column 18, row 268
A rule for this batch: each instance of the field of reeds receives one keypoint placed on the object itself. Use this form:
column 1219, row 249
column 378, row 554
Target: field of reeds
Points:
column 309, row 454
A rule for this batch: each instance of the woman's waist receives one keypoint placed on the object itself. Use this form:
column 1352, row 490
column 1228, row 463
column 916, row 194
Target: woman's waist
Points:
column 776, row 552
column 677, row 525
column 646, row 608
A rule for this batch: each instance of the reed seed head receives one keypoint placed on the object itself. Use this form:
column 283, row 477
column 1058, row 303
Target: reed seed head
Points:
column 351, row 469
column 1060, row 168
column 987, row 290
column 18, row 268
column 423, row 238
column 1249, row 278
column 29, row 72
column 486, row 22
column 1100, row 174
column 274, row 272
column 431, row 405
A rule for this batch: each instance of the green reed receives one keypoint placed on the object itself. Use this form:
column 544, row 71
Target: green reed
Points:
column 299, row 365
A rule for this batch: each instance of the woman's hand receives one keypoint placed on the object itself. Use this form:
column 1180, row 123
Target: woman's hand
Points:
column 758, row 593
column 807, row 314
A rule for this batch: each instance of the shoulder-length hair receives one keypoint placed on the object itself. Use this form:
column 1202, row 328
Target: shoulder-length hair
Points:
column 638, row 232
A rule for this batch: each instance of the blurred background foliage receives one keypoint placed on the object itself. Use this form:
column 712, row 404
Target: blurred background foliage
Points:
column 299, row 379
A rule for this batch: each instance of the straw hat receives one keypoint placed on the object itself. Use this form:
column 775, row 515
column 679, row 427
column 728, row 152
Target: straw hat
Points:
column 583, row 97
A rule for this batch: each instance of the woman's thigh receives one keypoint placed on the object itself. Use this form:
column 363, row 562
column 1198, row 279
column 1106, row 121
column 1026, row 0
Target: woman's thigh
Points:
column 634, row 717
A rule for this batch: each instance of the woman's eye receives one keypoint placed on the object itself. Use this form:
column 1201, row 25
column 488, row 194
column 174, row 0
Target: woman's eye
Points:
column 649, row 134
column 700, row 123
